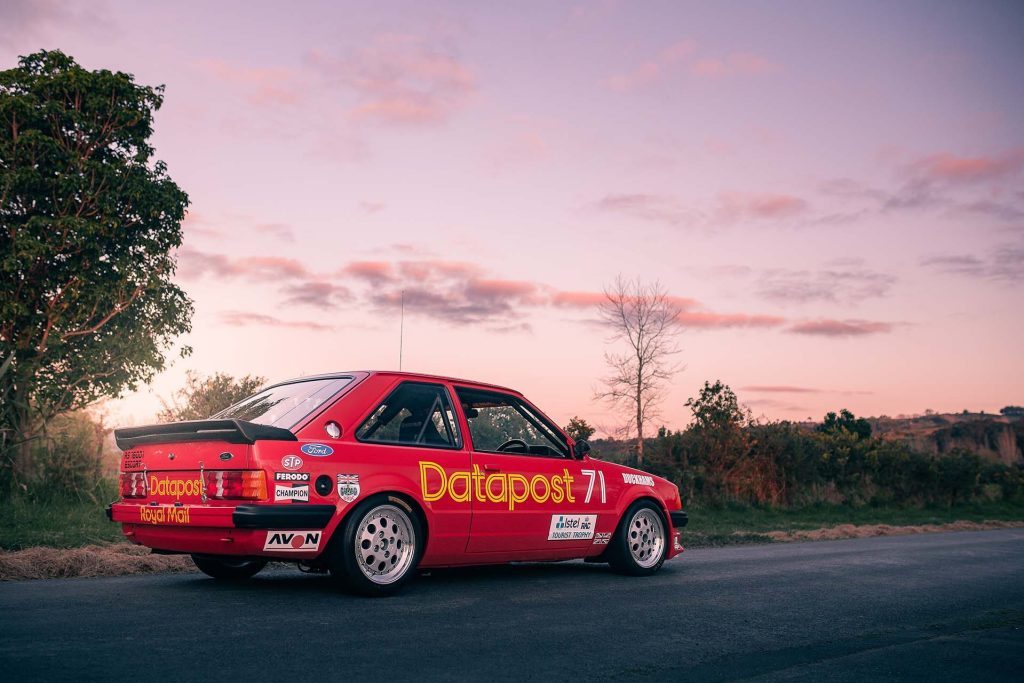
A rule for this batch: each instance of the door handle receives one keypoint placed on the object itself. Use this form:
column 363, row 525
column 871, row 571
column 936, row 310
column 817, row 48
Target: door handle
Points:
column 492, row 468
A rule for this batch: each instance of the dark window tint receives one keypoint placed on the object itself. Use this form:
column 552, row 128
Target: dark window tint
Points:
column 500, row 423
column 285, row 405
column 414, row 414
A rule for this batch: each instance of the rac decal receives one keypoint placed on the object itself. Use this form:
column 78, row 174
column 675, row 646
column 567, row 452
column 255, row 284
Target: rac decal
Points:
column 499, row 487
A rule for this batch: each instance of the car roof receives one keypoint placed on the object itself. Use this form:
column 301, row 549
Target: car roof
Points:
column 396, row 373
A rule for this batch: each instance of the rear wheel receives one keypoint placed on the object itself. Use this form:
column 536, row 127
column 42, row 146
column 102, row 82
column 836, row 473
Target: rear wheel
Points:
column 228, row 568
column 640, row 543
column 379, row 547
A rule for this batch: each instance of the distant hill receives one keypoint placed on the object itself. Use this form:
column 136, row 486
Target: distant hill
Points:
column 996, row 437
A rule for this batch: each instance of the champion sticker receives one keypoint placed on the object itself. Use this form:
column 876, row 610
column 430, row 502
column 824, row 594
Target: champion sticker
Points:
column 317, row 450
column 299, row 493
column 291, row 462
column 348, row 487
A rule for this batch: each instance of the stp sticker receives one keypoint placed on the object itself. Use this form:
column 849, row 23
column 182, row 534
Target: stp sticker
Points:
column 348, row 487
column 292, row 541
column 298, row 493
column 291, row 462
column 317, row 450
column 571, row 527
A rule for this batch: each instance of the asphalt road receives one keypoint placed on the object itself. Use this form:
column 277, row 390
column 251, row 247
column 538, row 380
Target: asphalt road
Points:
column 933, row 607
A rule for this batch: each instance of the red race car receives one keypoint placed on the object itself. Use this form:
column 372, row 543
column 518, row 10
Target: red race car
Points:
column 372, row 474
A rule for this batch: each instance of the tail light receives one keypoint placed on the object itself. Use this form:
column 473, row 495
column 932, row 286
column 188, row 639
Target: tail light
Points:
column 133, row 484
column 236, row 484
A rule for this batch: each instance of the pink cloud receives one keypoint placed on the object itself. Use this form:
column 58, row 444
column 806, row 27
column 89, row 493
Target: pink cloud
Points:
column 955, row 169
column 245, row 319
column 194, row 264
column 735, row 206
column 399, row 79
column 711, row 320
column 654, row 208
column 373, row 271
column 736, row 64
column 274, row 85
column 372, row 207
column 779, row 389
column 315, row 293
column 840, row 328
column 650, row 71
column 578, row 299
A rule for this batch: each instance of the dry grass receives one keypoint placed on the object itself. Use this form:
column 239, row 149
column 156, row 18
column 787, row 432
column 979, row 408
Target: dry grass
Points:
column 864, row 530
column 91, row 560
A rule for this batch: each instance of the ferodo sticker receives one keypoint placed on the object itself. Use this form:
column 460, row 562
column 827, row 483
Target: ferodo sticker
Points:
column 509, row 488
column 640, row 479
column 298, row 493
column 571, row 527
column 348, row 487
column 291, row 476
column 292, row 541
column 163, row 514
column 291, row 462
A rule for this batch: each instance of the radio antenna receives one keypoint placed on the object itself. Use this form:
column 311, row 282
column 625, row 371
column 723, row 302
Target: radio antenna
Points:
column 401, row 331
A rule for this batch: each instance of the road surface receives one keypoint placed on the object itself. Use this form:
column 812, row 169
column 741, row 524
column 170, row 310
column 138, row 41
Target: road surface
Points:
column 931, row 607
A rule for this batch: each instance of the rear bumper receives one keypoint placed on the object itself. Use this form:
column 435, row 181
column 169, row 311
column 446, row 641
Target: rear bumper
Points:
column 282, row 517
column 679, row 518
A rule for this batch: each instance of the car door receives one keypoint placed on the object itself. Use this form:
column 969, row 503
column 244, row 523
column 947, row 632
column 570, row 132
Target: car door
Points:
column 529, row 493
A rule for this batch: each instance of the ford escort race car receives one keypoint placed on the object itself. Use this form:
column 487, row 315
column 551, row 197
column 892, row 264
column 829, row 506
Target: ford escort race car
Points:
column 371, row 475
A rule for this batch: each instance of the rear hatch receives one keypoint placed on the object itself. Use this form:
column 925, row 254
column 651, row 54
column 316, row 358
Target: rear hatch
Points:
column 193, row 463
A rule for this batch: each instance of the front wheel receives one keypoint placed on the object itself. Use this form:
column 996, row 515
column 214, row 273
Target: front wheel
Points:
column 640, row 543
column 228, row 568
column 379, row 548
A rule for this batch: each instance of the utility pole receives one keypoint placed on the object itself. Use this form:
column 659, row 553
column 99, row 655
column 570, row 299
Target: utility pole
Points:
column 401, row 331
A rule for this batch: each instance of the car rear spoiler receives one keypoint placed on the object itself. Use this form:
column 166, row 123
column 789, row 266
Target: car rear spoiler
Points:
column 231, row 431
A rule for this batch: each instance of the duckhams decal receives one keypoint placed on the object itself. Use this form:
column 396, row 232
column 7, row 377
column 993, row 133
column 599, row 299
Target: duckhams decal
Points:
column 498, row 487
column 642, row 480
column 317, row 450
column 291, row 462
column 348, row 487
column 292, row 541
column 163, row 514
column 572, row 527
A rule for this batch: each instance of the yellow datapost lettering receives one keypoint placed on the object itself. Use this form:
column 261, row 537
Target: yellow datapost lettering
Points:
column 512, row 489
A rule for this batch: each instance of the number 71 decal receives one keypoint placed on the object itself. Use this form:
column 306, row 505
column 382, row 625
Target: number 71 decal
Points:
column 590, row 485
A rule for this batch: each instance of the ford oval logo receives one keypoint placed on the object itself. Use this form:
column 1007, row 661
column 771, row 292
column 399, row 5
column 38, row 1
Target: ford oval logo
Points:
column 226, row 456
column 317, row 450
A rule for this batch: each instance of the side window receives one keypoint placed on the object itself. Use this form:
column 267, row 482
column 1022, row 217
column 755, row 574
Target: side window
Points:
column 414, row 414
column 500, row 423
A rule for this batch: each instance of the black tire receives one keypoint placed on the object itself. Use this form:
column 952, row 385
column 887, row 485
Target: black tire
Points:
column 640, row 544
column 228, row 568
column 379, row 547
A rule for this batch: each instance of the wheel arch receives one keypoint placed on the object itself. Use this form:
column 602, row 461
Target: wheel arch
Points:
column 402, row 498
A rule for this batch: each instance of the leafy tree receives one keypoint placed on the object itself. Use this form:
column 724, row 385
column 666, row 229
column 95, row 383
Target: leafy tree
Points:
column 846, row 420
column 721, row 441
column 88, row 224
column 202, row 397
column 1012, row 411
column 579, row 429
column 647, row 319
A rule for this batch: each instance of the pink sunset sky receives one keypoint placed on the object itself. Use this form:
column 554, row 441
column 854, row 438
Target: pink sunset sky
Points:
column 834, row 191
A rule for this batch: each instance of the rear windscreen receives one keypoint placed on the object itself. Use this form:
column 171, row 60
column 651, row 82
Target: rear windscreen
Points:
column 285, row 405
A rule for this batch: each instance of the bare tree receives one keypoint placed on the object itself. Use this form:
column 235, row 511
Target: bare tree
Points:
column 647, row 318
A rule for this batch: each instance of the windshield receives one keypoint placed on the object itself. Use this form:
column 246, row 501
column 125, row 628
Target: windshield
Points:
column 285, row 405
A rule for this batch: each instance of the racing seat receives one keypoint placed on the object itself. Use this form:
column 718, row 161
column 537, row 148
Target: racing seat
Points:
column 409, row 432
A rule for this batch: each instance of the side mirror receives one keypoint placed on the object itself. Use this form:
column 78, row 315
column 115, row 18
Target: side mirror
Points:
column 580, row 449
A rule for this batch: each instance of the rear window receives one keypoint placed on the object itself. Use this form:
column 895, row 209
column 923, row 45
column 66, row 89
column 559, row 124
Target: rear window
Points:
column 285, row 405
